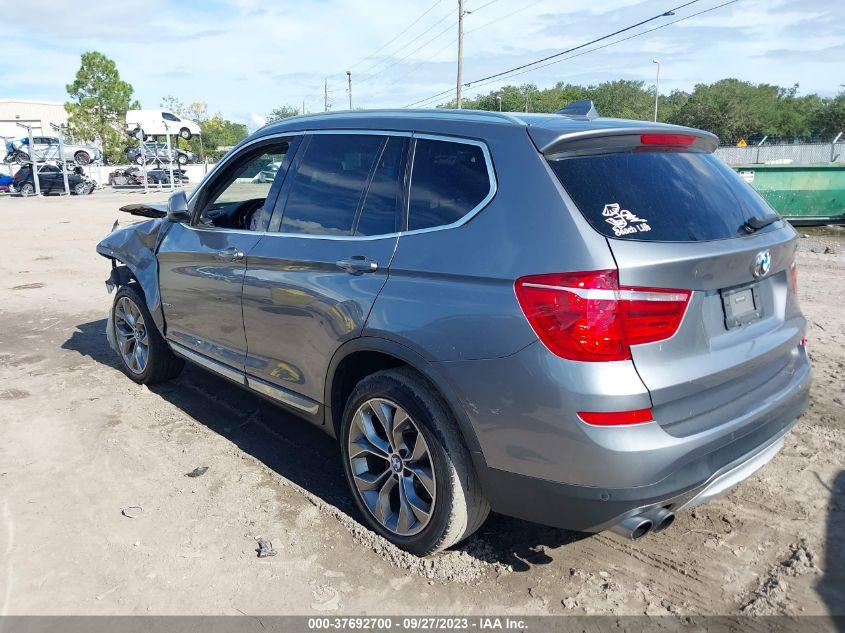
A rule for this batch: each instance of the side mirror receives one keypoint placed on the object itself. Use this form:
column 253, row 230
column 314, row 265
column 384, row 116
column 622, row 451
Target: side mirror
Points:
column 177, row 207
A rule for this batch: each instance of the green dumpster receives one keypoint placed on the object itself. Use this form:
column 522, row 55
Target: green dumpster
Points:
column 802, row 194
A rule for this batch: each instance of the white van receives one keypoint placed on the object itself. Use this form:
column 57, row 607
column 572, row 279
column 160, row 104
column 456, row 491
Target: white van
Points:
column 156, row 122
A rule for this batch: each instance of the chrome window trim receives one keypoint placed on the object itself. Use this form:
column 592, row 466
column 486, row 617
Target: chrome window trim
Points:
column 491, row 174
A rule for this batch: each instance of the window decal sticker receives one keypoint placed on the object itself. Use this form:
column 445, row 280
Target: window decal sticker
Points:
column 624, row 222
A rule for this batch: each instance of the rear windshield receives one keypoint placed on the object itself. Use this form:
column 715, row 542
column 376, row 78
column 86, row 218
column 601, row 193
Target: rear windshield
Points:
column 661, row 196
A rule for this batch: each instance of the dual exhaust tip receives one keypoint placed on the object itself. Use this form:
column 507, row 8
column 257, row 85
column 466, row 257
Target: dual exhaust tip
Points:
column 636, row 527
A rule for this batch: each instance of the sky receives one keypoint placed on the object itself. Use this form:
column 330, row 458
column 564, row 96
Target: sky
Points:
column 245, row 57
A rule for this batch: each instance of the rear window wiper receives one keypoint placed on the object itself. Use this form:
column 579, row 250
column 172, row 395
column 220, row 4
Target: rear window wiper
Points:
column 754, row 224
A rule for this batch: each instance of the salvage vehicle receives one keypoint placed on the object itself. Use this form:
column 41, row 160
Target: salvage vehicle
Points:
column 585, row 322
column 47, row 148
column 51, row 180
column 159, row 122
column 159, row 153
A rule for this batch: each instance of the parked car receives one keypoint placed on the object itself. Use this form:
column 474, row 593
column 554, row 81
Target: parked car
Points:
column 589, row 323
column 47, row 148
column 159, row 122
column 51, row 180
column 134, row 176
column 158, row 153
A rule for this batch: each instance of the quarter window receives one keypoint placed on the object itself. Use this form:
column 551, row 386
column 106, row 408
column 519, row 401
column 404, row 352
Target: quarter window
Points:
column 329, row 184
column 449, row 180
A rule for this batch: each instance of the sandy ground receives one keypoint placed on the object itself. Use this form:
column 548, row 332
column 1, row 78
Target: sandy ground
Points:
column 80, row 442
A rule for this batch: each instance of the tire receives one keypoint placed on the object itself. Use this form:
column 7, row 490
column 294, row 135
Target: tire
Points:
column 161, row 363
column 22, row 157
column 182, row 159
column 82, row 158
column 185, row 133
column 27, row 189
column 458, row 506
column 139, row 160
column 80, row 189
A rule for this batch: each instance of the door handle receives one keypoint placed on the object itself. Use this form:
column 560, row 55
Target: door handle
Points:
column 357, row 264
column 231, row 254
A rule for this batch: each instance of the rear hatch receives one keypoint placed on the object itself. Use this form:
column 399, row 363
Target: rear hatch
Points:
column 676, row 217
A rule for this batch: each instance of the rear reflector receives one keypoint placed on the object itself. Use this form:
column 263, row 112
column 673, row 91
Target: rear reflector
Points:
column 674, row 140
column 588, row 316
column 616, row 418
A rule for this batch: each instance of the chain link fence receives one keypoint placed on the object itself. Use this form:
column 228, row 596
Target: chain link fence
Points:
column 814, row 152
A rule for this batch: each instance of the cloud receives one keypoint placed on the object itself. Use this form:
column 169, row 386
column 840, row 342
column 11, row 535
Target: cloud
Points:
column 249, row 56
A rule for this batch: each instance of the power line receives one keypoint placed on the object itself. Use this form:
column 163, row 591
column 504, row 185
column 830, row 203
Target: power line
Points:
column 408, row 43
column 440, row 50
column 401, row 33
column 599, row 39
column 502, row 17
column 620, row 40
column 533, row 66
column 440, row 34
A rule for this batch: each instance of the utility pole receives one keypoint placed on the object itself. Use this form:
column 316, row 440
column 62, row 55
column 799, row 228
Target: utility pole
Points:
column 349, row 86
column 656, row 87
column 326, row 95
column 499, row 99
column 460, row 51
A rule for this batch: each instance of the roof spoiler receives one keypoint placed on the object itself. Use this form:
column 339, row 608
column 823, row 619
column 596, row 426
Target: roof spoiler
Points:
column 583, row 109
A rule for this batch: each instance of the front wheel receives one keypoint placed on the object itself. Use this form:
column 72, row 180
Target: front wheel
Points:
column 409, row 471
column 144, row 355
column 27, row 189
column 185, row 133
column 182, row 159
column 82, row 158
column 80, row 189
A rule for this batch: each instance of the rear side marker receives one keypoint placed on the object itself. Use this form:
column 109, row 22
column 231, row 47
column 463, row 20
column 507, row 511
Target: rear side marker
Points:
column 616, row 418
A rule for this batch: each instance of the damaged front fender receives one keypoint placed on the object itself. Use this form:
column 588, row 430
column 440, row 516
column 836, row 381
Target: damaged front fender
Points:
column 135, row 247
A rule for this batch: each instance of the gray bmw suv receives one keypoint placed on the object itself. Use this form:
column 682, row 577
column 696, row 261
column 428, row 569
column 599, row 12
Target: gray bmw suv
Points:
column 589, row 323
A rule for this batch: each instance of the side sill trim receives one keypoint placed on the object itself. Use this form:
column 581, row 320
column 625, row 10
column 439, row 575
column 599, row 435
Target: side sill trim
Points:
column 285, row 396
column 208, row 363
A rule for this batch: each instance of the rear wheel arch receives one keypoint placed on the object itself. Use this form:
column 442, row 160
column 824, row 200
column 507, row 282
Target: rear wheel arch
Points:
column 364, row 356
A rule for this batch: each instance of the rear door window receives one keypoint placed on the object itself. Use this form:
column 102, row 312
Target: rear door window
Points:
column 661, row 196
column 329, row 184
column 380, row 213
column 449, row 180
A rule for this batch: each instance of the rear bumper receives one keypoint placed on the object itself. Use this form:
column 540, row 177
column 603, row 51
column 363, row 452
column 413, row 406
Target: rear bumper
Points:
column 589, row 509
column 542, row 464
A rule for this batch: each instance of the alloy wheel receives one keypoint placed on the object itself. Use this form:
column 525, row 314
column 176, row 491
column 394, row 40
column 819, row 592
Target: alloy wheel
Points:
column 132, row 337
column 392, row 467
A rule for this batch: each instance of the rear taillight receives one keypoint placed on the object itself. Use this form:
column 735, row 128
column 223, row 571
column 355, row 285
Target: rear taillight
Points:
column 588, row 316
column 616, row 418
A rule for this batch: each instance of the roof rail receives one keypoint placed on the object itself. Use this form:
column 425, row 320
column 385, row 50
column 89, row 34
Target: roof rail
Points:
column 583, row 109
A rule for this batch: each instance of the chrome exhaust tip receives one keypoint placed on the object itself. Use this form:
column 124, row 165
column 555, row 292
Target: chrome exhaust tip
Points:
column 633, row 528
column 661, row 518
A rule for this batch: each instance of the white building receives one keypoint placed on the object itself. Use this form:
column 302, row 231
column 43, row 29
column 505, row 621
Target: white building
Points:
column 38, row 114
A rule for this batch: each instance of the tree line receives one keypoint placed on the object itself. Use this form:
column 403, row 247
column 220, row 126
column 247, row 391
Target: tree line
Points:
column 730, row 108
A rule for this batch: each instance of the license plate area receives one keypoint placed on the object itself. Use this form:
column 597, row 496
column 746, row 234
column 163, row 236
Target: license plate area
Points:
column 741, row 305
